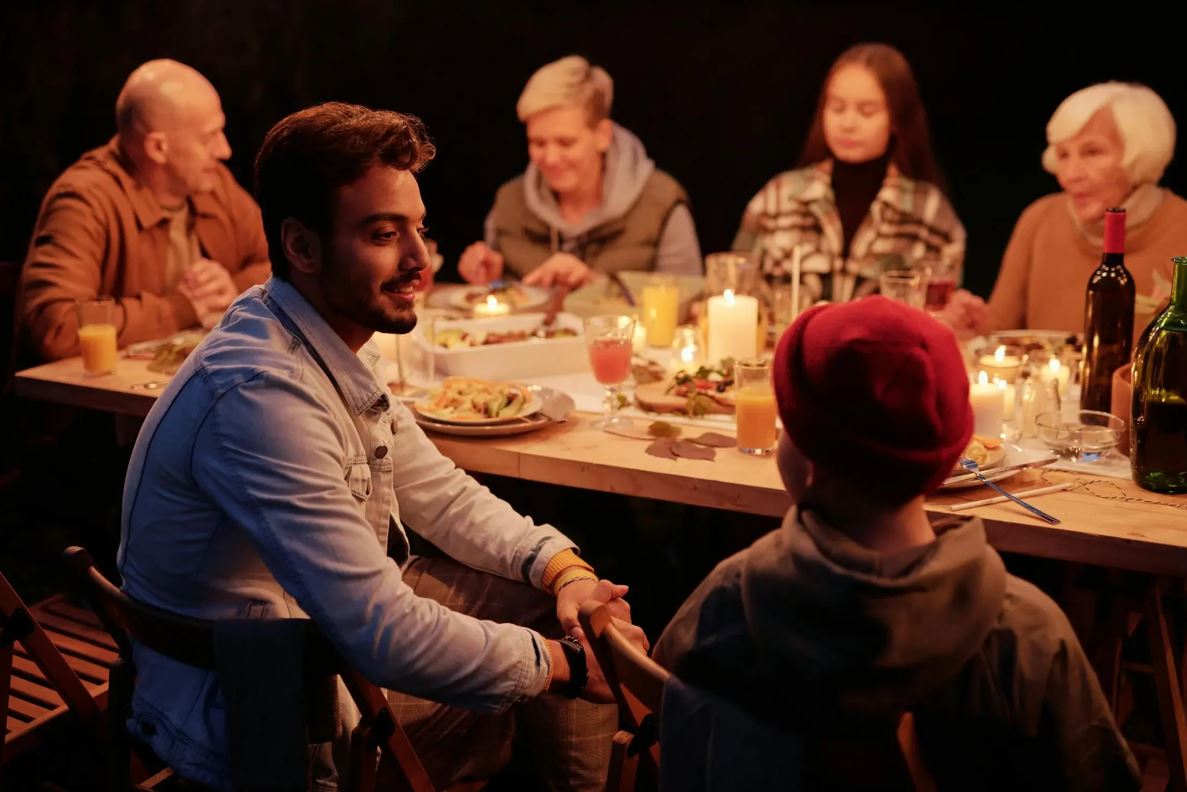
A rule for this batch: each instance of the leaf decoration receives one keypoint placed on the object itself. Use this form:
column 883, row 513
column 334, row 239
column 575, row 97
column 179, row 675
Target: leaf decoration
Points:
column 662, row 448
column 687, row 450
column 714, row 440
column 663, row 429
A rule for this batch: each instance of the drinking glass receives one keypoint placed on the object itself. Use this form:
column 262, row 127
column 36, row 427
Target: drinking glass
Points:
column 755, row 407
column 905, row 286
column 608, row 338
column 97, row 335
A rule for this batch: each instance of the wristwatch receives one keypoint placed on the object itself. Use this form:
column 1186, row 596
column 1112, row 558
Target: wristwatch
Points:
column 578, row 670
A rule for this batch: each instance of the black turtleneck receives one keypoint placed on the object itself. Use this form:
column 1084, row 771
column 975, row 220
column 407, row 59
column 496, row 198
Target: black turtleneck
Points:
column 855, row 185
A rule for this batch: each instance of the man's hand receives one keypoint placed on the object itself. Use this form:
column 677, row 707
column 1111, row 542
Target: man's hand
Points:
column 563, row 269
column 480, row 264
column 966, row 313
column 209, row 288
column 570, row 598
column 596, row 689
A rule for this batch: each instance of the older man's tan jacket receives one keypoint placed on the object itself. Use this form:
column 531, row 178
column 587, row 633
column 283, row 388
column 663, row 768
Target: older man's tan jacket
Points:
column 100, row 231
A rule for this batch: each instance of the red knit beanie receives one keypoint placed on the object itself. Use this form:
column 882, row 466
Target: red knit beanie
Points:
column 876, row 392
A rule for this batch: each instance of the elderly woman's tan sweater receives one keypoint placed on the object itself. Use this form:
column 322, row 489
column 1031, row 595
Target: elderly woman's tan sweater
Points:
column 1045, row 271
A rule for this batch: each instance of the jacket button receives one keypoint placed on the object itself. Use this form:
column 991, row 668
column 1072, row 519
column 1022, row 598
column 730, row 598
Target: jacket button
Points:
column 381, row 452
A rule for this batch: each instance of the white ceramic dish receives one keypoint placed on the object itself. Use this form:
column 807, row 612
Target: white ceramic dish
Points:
column 531, row 408
column 532, row 297
column 517, row 427
column 1015, row 455
column 514, row 360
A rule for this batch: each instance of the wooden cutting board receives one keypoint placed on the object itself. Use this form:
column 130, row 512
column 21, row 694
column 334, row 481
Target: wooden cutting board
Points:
column 652, row 397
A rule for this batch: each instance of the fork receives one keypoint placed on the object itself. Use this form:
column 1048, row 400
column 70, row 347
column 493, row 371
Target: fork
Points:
column 973, row 468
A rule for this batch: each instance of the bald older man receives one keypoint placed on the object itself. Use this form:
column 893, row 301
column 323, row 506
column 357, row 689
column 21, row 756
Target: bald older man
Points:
column 153, row 219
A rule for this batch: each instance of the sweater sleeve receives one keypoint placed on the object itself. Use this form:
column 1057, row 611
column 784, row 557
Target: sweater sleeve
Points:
column 1007, row 303
column 679, row 252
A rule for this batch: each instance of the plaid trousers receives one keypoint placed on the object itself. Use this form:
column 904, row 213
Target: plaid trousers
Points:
column 569, row 741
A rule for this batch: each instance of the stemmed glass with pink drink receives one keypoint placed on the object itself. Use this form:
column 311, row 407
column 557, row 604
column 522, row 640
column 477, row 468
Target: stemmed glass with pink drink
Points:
column 608, row 339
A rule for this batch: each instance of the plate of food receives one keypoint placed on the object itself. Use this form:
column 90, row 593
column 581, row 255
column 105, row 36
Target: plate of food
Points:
column 529, row 423
column 997, row 461
column 518, row 296
column 476, row 402
column 707, row 390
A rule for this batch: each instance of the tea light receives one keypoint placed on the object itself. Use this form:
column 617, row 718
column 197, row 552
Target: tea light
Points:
column 1058, row 373
column 1001, row 365
column 733, row 320
column 492, row 307
column 988, row 401
column 686, row 349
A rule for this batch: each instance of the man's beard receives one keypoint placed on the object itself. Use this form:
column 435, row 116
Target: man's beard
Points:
column 363, row 308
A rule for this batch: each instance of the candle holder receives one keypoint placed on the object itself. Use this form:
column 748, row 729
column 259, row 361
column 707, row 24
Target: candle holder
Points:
column 1001, row 361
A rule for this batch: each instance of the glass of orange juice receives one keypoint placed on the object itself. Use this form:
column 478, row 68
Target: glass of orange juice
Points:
column 755, row 407
column 97, row 336
column 660, row 300
column 608, row 338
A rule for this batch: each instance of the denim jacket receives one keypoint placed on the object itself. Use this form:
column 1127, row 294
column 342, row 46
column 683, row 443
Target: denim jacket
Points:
column 274, row 477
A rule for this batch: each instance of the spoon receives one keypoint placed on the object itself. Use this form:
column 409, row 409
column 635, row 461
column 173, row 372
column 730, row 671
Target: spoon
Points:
column 973, row 468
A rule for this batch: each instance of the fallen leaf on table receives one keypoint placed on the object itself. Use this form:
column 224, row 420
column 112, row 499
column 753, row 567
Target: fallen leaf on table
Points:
column 714, row 439
column 662, row 448
column 687, row 450
column 663, row 429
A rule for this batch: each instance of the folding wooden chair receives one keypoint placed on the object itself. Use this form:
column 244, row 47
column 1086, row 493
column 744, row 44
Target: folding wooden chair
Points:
column 638, row 684
column 55, row 659
column 191, row 641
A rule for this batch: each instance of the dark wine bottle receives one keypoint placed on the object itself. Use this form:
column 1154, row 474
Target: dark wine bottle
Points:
column 1159, row 436
column 1108, row 318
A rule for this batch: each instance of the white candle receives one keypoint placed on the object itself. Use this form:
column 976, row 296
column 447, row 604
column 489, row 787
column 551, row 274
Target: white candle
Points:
column 1010, row 395
column 733, row 323
column 988, row 406
column 1059, row 373
column 639, row 341
column 795, row 282
column 1001, row 365
column 492, row 307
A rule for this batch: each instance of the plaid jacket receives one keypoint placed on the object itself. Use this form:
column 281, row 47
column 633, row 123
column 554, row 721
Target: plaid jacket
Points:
column 908, row 218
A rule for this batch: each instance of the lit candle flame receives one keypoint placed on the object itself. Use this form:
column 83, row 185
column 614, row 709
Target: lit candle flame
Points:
column 1000, row 355
column 1054, row 365
column 1001, row 383
column 982, row 378
column 492, row 301
column 729, row 296
column 688, row 354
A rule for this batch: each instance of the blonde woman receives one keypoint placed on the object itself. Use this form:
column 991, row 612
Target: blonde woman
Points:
column 1107, row 145
column 590, row 201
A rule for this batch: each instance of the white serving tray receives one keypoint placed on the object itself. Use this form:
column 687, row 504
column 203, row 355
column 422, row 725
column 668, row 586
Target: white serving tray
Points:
column 535, row 357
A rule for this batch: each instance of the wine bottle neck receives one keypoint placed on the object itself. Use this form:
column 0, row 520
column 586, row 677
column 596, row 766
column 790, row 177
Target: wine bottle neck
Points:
column 1113, row 260
column 1179, row 287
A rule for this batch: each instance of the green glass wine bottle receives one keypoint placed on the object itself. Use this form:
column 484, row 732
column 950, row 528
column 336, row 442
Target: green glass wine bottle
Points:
column 1159, row 436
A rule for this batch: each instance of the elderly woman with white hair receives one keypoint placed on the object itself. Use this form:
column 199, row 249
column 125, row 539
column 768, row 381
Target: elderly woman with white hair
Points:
column 1108, row 145
column 590, row 201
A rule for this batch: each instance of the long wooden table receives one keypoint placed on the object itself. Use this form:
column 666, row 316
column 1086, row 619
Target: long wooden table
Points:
column 1106, row 522
column 1149, row 535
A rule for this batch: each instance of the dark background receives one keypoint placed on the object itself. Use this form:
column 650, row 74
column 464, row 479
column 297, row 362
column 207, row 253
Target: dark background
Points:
column 720, row 94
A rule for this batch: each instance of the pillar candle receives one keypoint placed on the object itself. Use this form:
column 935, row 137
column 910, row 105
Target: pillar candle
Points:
column 733, row 320
column 989, row 405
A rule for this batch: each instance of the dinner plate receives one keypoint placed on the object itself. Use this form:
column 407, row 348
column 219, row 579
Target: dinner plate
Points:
column 531, row 408
column 1015, row 455
column 519, row 426
column 533, row 297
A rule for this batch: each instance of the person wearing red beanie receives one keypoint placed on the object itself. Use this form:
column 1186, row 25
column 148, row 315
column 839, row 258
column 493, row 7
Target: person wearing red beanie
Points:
column 860, row 608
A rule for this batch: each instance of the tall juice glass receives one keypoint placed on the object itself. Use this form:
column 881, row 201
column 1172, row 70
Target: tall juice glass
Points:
column 660, row 301
column 608, row 338
column 97, row 335
column 755, row 405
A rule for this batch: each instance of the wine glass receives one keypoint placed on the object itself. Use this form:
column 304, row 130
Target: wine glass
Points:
column 608, row 338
